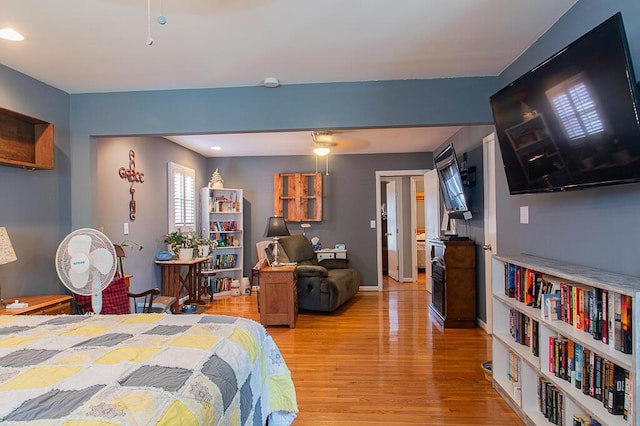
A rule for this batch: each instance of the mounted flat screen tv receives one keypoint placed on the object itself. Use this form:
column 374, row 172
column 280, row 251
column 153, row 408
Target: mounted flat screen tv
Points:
column 572, row 121
column 455, row 201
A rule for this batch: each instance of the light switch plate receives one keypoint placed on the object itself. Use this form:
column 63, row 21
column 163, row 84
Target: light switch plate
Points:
column 524, row 214
column 372, row 224
column 126, row 228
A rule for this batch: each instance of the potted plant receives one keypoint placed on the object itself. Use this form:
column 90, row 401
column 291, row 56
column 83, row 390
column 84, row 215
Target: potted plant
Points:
column 204, row 247
column 174, row 240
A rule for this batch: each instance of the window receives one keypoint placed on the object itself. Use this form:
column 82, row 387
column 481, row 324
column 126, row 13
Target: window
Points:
column 182, row 198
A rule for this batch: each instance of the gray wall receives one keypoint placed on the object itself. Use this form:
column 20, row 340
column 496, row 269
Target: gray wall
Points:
column 596, row 227
column 34, row 205
column 349, row 199
column 152, row 156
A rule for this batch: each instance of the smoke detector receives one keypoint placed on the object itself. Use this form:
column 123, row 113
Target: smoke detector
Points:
column 271, row 82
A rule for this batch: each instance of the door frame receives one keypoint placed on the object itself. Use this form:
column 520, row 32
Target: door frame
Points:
column 490, row 222
column 379, row 177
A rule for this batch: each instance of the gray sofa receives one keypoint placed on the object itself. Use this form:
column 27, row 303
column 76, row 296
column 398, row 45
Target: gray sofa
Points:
column 322, row 286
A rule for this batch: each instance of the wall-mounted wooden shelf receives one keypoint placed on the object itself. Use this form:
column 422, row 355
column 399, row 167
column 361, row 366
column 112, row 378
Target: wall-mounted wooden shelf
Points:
column 25, row 141
column 298, row 196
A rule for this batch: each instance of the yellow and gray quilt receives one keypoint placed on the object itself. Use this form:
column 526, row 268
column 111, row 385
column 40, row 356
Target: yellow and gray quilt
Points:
column 142, row 369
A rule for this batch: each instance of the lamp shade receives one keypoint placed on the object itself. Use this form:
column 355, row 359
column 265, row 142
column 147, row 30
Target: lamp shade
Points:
column 6, row 249
column 276, row 227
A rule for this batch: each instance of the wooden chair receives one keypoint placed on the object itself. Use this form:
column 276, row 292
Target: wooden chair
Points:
column 146, row 297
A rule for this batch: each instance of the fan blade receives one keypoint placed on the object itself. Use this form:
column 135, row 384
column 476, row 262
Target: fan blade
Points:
column 79, row 244
column 102, row 259
column 78, row 279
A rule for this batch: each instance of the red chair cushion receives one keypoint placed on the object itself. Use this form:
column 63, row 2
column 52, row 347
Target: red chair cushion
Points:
column 115, row 300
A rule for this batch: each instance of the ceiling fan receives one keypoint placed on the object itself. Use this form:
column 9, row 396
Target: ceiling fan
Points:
column 322, row 142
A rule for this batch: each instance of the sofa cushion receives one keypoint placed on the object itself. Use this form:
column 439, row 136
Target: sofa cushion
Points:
column 298, row 248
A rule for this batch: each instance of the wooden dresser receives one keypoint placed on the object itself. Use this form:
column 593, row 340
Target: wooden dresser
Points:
column 453, row 271
column 51, row 304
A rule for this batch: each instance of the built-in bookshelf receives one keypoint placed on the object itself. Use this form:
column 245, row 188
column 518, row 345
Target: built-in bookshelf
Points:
column 222, row 222
column 564, row 344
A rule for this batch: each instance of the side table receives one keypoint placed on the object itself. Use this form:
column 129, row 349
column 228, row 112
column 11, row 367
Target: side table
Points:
column 51, row 304
column 175, row 283
column 278, row 296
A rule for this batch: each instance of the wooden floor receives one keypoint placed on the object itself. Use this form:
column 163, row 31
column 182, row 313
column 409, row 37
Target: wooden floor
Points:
column 381, row 360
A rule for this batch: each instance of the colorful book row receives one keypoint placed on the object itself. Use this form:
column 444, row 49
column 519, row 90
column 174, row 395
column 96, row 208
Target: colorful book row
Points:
column 225, row 261
column 594, row 375
column 524, row 330
column 607, row 316
column 227, row 225
column 550, row 402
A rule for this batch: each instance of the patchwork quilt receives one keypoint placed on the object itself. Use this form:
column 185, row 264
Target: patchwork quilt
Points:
column 142, row 369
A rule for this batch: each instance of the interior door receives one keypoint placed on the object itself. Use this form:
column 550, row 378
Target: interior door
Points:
column 490, row 238
column 392, row 231
column 431, row 218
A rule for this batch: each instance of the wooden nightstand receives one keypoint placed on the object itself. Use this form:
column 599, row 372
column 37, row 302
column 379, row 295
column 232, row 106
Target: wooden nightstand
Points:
column 278, row 296
column 51, row 304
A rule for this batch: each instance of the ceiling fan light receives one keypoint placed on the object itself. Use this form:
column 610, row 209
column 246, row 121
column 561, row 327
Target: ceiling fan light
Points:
column 11, row 34
column 321, row 151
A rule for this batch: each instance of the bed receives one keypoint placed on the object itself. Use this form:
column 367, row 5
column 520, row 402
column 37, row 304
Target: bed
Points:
column 142, row 369
column 421, row 250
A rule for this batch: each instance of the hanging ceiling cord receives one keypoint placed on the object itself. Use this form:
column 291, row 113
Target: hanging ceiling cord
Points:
column 149, row 38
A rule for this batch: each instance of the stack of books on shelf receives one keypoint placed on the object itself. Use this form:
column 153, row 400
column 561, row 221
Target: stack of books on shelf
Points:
column 593, row 374
column 524, row 330
column 513, row 374
column 225, row 239
column 605, row 315
column 221, row 284
column 550, row 402
column 225, row 225
column 224, row 204
column 585, row 420
column 225, row 261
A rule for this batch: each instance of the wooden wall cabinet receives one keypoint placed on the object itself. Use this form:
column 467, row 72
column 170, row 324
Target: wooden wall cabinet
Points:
column 298, row 196
column 25, row 141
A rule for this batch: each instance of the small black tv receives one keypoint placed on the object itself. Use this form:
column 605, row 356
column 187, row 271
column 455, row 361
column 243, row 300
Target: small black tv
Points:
column 572, row 121
column 455, row 201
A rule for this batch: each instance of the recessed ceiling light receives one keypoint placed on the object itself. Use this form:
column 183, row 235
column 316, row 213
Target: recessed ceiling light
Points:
column 11, row 34
column 216, row 148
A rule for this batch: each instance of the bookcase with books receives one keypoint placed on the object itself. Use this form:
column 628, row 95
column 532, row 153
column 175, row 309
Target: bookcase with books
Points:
column 222, row 222
column 565, row 349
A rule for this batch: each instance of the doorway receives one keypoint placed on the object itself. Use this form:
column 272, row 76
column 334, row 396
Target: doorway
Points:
column 406, row 227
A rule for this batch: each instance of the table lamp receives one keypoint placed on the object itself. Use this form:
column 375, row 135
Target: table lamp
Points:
column 6, row 251
column 276, row 228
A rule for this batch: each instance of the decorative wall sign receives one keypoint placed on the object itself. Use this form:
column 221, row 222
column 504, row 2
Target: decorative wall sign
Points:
column 132, row 176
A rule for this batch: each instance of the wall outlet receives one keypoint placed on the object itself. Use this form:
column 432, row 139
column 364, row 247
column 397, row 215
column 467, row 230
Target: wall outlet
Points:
column 372, row 224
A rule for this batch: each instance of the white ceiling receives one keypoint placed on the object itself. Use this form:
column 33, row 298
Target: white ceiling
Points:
column 87, row 46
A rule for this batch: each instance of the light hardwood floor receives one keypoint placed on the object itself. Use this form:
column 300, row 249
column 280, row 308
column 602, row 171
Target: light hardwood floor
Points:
column 381, row 360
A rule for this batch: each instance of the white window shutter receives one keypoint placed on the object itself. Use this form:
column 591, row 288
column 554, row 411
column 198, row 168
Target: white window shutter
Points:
column 181, row 198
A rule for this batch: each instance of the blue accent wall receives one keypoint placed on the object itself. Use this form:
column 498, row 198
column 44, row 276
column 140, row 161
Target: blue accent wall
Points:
column 34, row 205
